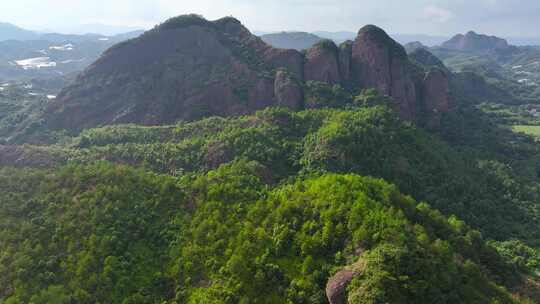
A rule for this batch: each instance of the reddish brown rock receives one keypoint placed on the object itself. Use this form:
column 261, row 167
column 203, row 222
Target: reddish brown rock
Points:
column 322, row 63
column 380, row 62
column 288, row 91
column 292, row 60
column 436, row 97
column 185, row 69
column 345, row 58
column 336, row 288
column 188, row 68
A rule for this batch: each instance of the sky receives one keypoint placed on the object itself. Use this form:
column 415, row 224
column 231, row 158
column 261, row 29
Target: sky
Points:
column 518, row 18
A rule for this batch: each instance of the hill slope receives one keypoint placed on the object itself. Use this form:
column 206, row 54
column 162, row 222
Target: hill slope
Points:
column 265, row 208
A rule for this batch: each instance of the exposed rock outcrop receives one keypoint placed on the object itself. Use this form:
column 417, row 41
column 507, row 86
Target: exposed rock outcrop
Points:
column 322, row 63
column 380, row 62
column 336, row 288
column 288, row 91
column 436, row 97
column 188, row 68
column 184, row 69
column 345, row 58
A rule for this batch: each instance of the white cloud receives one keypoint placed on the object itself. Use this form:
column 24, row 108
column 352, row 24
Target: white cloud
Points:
column 437, row 14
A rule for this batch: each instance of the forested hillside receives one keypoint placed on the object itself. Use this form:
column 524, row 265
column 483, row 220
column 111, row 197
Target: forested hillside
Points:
column 265, row 208
column 196, row 164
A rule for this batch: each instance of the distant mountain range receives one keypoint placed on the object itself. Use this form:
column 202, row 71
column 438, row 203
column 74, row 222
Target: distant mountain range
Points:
column 428, row 40
column 26, row 55
column 291, row 40
column 305, row 40
column 9, row 31
column 97, row 28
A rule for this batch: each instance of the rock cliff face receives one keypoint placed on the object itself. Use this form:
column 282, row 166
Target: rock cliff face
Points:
column 336, row 288
column 436, row 96
column 189, row 67
column 288, row 91
column 184, row 69
column 345, row 57
column 380, row 62
column 322, row 63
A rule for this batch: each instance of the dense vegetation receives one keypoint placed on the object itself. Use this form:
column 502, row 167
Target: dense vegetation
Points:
column 265, row 208
column 485, row 189
column 111, row 234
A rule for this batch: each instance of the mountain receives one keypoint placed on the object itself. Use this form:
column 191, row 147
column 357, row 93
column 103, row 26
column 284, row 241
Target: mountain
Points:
column 189, row 68
column 351, row 173
column 401, row 38
column 473, row 42
column 291, row 40
column 513, row 69
column 11, row 32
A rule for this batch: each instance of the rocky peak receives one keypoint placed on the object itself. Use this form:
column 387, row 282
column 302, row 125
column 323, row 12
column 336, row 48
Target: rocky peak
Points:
column 345, row 57
column 189, row 67
column 185, row 68
column 380, row 62
column 322, row 63
column 288, row 90
column 435, row 97
column 374, row 35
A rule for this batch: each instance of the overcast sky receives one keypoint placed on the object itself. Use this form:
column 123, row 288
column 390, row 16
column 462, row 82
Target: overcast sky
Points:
column 442, row 17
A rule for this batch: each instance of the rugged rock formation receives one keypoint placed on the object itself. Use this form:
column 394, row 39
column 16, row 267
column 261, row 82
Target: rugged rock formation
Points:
column 322, row 63
column 380, row 62
column 189, row 67
column 336, row 288
column 436, row 97
column 288, row 91
column 184, row 69
column 345, row 57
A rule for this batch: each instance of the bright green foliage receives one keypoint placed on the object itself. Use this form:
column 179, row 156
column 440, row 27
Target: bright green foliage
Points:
column 110, row 234
column 495, row 192
column 521, row 255
column 94, row 234
column 265, row 208
column 320, row 95
column 282, row 247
